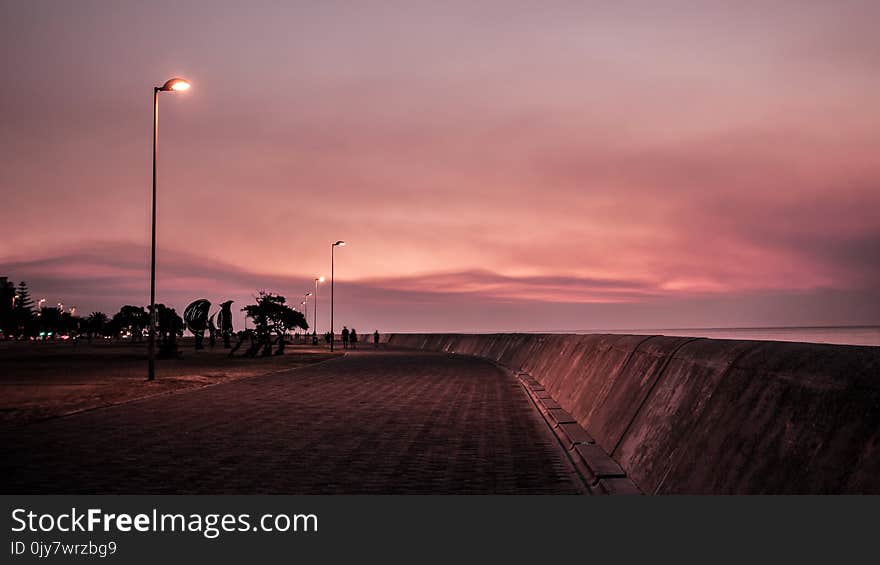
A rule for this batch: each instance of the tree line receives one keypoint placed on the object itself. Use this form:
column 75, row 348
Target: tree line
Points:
column 19, row 319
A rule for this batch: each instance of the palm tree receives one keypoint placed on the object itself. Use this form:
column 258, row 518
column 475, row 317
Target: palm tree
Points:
column 96, row 323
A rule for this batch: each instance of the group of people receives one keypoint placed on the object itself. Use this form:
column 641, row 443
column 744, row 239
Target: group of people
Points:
column 350, row 338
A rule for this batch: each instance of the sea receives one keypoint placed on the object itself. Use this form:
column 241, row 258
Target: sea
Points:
column 843, row 335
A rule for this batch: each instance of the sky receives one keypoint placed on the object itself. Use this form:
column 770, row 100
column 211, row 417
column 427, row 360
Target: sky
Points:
column 492, row 166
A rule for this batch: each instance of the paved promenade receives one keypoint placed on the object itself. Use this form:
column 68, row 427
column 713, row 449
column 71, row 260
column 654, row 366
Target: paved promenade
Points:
column 371, row 422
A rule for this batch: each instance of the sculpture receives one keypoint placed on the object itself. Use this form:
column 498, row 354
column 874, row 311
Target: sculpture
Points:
column 224, row 323
column 196, row 317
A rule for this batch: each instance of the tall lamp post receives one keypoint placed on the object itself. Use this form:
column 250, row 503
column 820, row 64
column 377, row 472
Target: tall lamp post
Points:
column 306, row 314
column 315, row 318
column 332, row 265
column 171, row 85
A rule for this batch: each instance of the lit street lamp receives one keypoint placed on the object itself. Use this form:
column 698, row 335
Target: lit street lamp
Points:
column 332, row 265
column 172, row 85
column 315, row 318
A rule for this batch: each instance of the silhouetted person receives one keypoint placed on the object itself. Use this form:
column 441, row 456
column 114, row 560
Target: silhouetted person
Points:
column 328, row 337
column 376, row 339
column 353, row 338
column 344, row 337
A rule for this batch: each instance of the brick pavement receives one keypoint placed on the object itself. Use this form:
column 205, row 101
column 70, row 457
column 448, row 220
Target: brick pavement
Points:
column 372, row 422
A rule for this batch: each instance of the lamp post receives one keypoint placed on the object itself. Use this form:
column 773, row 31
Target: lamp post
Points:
column 306, row 314
column 332, row 265
column 171, row 85
column 315, row 318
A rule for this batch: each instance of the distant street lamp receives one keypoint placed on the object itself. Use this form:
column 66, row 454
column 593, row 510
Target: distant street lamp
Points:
column 306, row 313
column 171, row 85
column 315, row 318
column 332, row 274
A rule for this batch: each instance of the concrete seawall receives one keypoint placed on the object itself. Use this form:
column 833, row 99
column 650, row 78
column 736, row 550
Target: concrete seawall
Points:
column 696, row 415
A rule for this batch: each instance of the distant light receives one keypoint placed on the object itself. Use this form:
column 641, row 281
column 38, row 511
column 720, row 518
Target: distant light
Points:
column 322, row 279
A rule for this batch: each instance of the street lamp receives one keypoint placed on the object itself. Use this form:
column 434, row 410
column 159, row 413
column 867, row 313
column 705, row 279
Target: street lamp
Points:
column 171, row 85
column 315, row 318
column 306, row 313
column 332, row 265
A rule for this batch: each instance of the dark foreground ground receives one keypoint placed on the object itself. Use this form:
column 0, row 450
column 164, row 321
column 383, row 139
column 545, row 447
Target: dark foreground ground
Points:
column 371, row 422
column 46, row 379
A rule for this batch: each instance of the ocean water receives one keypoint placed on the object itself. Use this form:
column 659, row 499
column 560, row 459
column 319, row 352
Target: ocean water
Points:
column 843, row 335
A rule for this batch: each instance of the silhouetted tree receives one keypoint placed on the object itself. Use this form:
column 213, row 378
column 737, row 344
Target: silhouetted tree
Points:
column 50, row 321
column 23, row 300
column 170, row 328
column 54, row 322
column 23, row 313
column 272, row 315
column 96, row 324
column 132, row 318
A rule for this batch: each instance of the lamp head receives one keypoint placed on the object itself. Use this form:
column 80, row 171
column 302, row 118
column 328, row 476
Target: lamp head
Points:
column 175, row 85
column 321, row 279
column 339, row 243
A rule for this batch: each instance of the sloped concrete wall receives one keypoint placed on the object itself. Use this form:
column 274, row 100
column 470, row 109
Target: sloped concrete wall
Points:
column 694, row 415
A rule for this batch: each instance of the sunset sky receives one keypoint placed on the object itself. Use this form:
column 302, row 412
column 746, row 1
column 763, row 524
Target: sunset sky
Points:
column 493, row 166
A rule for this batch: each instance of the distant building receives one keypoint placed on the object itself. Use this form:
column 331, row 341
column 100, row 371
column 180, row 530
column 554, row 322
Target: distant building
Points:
column 7, row 303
